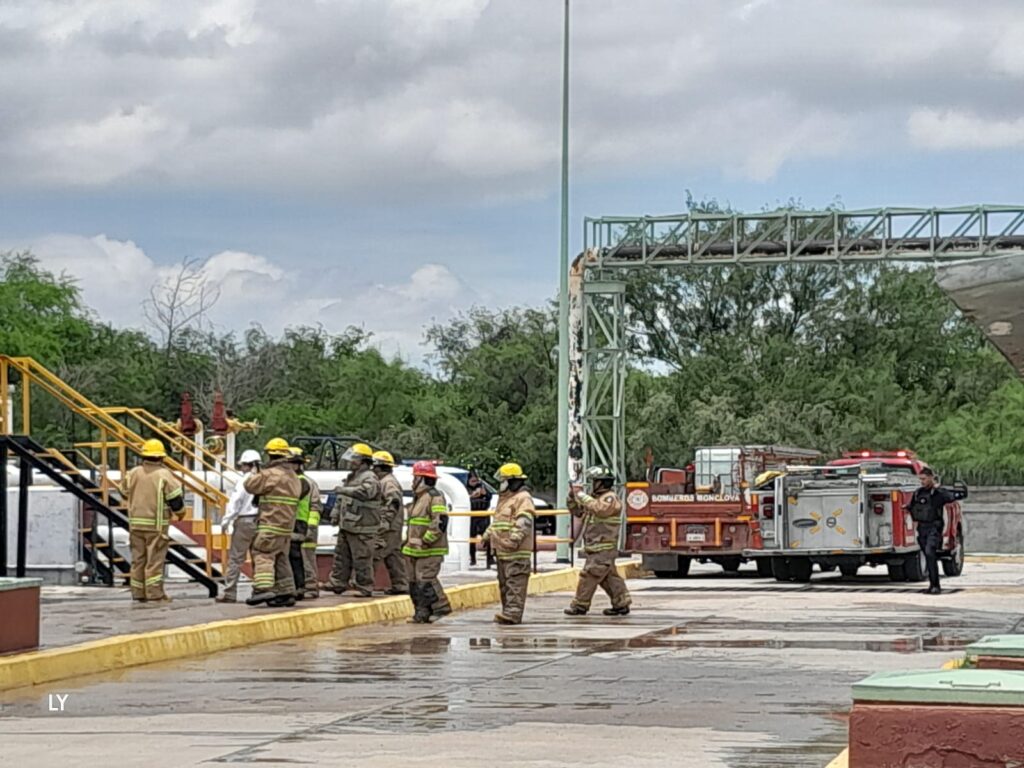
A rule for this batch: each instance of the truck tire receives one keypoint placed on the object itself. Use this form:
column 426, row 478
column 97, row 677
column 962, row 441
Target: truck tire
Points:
column 849, row 570
column 764, row 567
column 896, row 571
column 730, row 564
column 801, row 568
column 780, row 569
column 914, row 567
column 955, row 565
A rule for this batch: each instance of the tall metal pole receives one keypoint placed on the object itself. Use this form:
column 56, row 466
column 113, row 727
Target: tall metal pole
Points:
column 563, row 522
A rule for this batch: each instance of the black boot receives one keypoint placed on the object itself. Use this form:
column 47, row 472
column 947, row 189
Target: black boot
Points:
column 575, row 610
column 430, row 597
column 422, row 602
column 623, row 611
column 260, row 597
column 282, row 601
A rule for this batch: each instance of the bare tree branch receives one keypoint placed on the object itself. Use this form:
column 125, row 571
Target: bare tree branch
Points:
column 180, row 301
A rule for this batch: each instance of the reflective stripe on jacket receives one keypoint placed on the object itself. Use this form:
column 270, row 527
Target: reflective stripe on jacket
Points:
column 148, row 487
column 511, row 531
column 425, row 536
column 602, row 520
column 278, row 488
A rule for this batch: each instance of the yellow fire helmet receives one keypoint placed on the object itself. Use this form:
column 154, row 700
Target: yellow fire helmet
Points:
column 510, row 471
column 383, row 458
column 153, row 449
column 358, row 451
column 277, row 446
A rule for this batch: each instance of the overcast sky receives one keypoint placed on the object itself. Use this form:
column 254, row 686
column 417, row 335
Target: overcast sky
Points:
column 389, row 162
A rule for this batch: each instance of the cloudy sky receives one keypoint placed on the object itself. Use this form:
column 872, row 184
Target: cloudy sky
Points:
column 389, row 162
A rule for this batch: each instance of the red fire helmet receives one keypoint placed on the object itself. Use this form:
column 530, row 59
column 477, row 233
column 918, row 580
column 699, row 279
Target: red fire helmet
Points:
column 424, row 469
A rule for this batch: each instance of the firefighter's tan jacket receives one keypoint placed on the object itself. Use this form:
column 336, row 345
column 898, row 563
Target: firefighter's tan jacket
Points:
column 510, row 534
column 393, row 503
column 362, row 508
column 149, row 487
column 602, row 520
column 278, row 488
column 425, row 536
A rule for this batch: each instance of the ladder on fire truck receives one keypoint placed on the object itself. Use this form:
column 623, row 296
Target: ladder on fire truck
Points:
column 90, row 469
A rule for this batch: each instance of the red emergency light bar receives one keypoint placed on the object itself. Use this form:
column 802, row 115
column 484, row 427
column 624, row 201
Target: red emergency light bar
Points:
column 903, row 454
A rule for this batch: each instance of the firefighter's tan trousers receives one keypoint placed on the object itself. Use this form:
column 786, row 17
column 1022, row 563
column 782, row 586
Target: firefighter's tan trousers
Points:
column 272, row 571
column 309, row 561
column 241, row 543
column 425, row 570
column 599, row 571
column 513, row 579
column 149, row 551
column 389, row 552
column 353, row 556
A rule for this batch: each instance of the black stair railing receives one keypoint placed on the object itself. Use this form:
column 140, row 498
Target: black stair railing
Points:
column 33, row 456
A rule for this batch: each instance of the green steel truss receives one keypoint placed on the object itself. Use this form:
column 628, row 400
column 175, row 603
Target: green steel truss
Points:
column 616, row 245
column 912, row 234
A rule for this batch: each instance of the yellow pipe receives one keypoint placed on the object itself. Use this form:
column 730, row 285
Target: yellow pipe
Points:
column 26, row 406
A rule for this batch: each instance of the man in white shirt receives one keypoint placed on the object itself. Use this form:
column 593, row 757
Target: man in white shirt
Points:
column 240, row 521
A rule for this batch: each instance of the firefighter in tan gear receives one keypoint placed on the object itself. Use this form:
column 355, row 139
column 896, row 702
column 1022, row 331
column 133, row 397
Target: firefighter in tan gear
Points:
column 426, row 544
column 510, row 537
column 302, row 551
column 154, row 496
column 359, row 523
column 316, row 508
column 278, row 488
column 388, row 546
column 601, row 511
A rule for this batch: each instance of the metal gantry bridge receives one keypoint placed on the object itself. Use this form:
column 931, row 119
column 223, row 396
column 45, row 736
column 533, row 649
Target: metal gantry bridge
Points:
column 615, row 246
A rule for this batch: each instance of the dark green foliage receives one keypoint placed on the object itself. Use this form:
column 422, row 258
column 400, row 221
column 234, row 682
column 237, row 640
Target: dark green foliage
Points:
column 819, row 357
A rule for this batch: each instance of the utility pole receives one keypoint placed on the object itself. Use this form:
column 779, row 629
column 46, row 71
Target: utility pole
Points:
column 562, row 489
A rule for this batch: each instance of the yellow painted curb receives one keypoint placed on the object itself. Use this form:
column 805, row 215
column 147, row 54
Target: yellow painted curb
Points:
column 124, row 651
column 994, row 558
column 842, row 760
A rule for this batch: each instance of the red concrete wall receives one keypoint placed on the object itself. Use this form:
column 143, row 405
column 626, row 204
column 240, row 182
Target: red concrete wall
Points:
column 935, row 736
column 19, row 630
column 1000, row 662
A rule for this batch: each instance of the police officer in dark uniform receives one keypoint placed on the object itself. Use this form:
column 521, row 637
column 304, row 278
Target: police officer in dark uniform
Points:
column 926, row 507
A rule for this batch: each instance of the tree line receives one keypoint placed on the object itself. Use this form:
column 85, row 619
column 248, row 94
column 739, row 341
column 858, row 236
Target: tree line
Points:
column 825, row 357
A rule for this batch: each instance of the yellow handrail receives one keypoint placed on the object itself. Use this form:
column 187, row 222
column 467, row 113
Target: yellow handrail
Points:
column 113, row 434
column 176, row 439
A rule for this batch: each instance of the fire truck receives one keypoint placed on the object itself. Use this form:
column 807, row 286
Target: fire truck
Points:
column 847, row 514
column 702, row 512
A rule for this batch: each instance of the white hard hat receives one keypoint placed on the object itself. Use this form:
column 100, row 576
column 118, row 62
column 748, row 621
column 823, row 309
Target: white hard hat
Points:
column 249, row 457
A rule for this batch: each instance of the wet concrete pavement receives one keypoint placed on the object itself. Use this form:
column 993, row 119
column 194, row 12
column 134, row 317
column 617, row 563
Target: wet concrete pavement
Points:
column 708, row 671
column 78, row 614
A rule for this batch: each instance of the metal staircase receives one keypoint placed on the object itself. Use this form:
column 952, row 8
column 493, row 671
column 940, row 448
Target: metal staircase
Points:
column 102, row 511
column 93, row 466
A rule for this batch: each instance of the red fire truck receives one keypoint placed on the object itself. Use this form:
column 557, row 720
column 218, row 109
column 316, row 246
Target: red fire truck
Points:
column 702, row 512
column 849, row 513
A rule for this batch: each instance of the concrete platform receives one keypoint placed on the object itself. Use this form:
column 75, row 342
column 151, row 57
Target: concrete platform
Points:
column 709, row 671
column 78, row 614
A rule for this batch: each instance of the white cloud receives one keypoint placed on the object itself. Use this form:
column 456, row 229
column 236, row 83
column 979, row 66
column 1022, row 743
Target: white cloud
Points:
column 952, row 129
column 115, row 278
column 460, row 98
